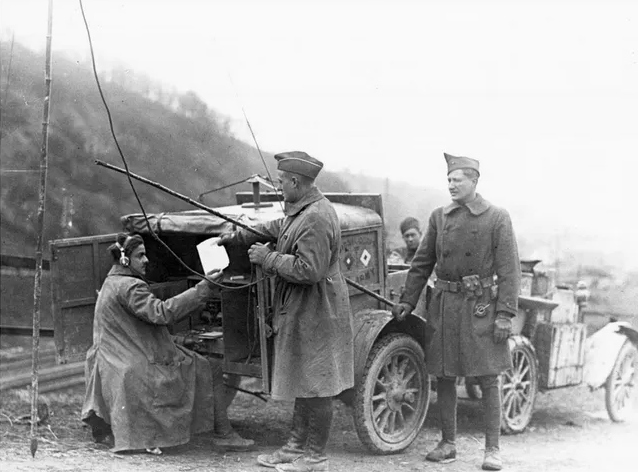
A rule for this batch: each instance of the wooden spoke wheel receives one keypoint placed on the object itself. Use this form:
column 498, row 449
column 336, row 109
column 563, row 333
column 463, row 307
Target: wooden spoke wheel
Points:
column 621, row 387
column 393, row 396
column 519, row 387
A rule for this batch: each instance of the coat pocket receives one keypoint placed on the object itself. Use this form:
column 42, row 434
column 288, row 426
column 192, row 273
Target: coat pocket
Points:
column 284, row 299
column 167, row 383
column 483, row 316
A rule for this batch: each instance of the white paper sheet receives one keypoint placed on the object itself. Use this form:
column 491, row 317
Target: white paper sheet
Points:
column 212, row 256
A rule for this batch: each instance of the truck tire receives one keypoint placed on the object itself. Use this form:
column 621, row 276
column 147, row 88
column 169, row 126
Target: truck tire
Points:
column 393, row 395
column 621, row 386
column 519, row 387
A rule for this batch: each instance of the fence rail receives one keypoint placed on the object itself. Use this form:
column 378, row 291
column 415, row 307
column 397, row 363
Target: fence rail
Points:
column 21, row 262
column 16, row 373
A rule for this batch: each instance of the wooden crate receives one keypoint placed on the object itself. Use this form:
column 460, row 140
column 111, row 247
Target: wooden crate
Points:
column 526, row 284
column 567, row 309
column 560, row 348
column 544, row 282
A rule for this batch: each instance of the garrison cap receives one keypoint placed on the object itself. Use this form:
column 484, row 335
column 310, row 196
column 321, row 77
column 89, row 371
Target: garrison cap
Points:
column 299, row 162
column 409, row 223
column 454, row 163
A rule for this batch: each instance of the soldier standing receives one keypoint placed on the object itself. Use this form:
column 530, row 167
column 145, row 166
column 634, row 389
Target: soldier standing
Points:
column 312, row 324
column 472, row 245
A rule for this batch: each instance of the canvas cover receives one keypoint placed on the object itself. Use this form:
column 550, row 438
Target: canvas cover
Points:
column 203, row 222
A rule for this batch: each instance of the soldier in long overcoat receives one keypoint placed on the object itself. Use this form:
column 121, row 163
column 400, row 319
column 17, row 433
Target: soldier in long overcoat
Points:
column 312, row 324
column 472, row 246
column 143, row 390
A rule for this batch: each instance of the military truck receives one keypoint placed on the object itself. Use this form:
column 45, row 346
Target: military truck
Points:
column 392, row 390
column 550, row 348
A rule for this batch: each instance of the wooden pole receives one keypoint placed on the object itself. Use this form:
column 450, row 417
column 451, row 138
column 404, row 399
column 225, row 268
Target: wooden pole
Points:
column 181, row 197
column 37, row 286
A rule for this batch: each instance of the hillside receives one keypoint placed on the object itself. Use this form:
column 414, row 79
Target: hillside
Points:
column 173, row 139
column 181, row 142
column 400, row 199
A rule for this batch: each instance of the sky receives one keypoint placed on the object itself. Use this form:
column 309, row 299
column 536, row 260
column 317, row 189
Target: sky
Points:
column 543, row 93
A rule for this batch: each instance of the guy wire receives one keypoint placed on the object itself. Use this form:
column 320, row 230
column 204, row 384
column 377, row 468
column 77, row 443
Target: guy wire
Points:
column 250, row 128
column 119, row 149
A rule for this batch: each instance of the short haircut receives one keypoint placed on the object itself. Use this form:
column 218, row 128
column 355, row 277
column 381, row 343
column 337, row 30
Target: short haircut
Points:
column 129, row 242
column 304, row 180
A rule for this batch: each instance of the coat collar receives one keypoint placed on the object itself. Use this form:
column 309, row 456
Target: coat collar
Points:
column 313, row 195
column 118, row 269
column 477, row 206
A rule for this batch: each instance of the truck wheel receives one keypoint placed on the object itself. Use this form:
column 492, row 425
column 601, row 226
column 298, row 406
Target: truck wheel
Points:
column 519, row 387
column 393, row 396
column 621, row 388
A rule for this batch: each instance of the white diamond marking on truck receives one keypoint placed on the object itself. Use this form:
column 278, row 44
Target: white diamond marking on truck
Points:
column 365, row 257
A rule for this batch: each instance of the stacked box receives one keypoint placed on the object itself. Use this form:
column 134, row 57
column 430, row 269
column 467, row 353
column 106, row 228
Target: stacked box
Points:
column 560, row 349
column 544, row 282
column 526, row 284
column 567, row 309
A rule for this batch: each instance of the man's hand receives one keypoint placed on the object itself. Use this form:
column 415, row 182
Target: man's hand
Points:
column 225, row 239
column 401, row 310
column 214, row 275
column 257, row 253
column 502, row 327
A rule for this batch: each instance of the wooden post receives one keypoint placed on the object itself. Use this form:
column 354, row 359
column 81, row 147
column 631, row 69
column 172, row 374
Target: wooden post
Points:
column 37, row 286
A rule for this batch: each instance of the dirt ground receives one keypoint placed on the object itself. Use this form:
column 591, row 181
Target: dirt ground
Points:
column 570, row 431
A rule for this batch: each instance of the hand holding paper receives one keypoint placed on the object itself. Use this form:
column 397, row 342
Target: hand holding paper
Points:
column 214, row 258
column 214, row 275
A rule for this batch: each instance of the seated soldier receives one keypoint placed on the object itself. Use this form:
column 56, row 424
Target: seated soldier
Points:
column 411, row 233
column 143, row 391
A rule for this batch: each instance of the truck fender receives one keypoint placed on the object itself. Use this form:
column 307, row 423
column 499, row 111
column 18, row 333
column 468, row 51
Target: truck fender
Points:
column 601, row 351
column 371, row 324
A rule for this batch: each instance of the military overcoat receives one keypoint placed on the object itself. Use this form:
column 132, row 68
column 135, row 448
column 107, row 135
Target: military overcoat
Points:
column 151, row 391
column 462, row 240
column 312, row 321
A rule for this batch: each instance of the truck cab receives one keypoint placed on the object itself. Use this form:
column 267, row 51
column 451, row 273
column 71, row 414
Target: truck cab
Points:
column 391, row 393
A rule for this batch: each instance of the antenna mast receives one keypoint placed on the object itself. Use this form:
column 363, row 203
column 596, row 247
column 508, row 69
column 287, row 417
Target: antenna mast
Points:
column 37, row 286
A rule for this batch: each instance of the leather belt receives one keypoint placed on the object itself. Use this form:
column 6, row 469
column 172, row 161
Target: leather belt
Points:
column 457, row 287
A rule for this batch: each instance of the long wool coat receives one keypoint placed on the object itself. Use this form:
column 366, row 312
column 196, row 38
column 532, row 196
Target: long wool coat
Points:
column 151, row 391
column 473, row 239
column 312, row 322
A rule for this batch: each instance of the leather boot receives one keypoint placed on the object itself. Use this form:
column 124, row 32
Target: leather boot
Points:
column 294, row 447
column 320, row 420
column 445, row 451
column 446, row 399
column 490, row 384
column 232, row 441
